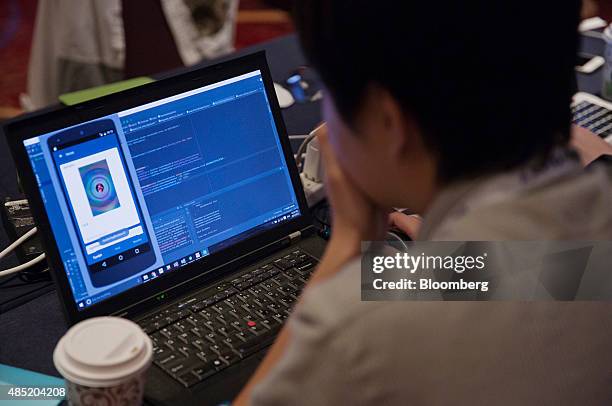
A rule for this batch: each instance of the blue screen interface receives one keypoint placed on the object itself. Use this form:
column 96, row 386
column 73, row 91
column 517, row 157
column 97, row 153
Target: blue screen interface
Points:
column 162, row 185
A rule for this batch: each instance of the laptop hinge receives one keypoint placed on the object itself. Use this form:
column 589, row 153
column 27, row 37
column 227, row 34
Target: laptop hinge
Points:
column 293, row 237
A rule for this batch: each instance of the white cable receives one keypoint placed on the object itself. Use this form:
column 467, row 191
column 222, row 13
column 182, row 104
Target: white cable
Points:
column 12, row 247
column 300, row 152
column 17, row 242
column 21, row 267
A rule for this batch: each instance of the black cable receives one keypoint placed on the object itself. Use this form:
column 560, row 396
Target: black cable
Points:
column 8, row 279
column 323, row 220
column 26, row 278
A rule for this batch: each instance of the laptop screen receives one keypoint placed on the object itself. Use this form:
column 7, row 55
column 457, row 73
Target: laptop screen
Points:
column 139, row 194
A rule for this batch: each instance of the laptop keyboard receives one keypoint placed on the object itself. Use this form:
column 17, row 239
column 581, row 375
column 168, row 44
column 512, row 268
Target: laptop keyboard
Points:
column 596, row 118
column 204, row 334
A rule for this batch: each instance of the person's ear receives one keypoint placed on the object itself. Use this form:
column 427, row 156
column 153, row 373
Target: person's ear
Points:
column 398, row 130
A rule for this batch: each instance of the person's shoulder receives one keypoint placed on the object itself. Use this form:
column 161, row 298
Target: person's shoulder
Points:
column 575, row 206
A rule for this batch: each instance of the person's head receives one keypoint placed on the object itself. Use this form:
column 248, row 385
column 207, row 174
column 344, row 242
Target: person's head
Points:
column 420, row 94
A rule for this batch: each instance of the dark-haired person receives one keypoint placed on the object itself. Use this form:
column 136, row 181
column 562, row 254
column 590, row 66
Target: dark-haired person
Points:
column 460, row 111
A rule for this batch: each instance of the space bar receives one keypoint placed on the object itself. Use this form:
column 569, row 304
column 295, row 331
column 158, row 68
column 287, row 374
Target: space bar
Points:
column 258, row 343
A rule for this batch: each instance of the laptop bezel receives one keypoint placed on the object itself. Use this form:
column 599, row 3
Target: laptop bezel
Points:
column 29, row 126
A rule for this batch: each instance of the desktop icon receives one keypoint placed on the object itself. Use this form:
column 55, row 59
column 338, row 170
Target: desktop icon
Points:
column 197, row 254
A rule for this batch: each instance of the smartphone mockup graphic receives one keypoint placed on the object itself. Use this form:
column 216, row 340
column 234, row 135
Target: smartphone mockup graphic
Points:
column 103, row 205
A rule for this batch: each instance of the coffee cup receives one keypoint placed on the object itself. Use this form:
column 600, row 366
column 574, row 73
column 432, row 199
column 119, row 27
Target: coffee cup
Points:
column 104, row 361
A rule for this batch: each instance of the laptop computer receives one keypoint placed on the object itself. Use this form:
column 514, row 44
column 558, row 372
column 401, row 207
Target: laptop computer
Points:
column 177, row 205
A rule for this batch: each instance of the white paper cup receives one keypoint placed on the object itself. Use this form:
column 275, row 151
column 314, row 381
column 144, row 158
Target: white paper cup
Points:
column 104, row 361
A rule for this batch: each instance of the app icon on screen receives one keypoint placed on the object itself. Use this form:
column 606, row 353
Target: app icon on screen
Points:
column 99, row 187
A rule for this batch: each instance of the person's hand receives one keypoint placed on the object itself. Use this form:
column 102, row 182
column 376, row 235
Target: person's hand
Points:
column 408, row 224
column 588, row 145
column 356, row 218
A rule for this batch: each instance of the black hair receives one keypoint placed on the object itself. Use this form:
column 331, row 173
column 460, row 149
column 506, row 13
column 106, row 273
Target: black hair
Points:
column 489, row 83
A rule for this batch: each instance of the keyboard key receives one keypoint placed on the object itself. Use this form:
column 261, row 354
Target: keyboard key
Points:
column 242, row 337
column 203, row 356
column 205, row 371
column 171, row 344
column 231, row 302
column 199, row 331
column 219, row 364
column 245, row 296
column 269, row 285
column 273, row 272
column 220, row 308
column 262, row 301
column 258, row 271
column 212, row 337
column 223, row 331
column 185, row 337
column 213, row 325
column 292, row 273
column 187, row 351
column 216, row 348
column 253, row 345
column 199, row 344
column 195, row 319
column 283, row 264
column 169, row 332
column 189, row 379
column 230, row 357
column 170, row 357
column 161, row 353
column 180, row 366
column 263, row 312
column 176, row 368
column 280, row 316
column 245, row 285
column 230, row 341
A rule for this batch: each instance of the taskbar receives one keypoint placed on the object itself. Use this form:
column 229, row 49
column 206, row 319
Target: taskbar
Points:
column 179, row 263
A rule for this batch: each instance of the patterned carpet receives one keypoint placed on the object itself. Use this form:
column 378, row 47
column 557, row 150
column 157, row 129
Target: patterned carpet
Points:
column 257, row 22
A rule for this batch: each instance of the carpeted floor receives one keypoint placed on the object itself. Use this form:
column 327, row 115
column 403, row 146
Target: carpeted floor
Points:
column 257, row 22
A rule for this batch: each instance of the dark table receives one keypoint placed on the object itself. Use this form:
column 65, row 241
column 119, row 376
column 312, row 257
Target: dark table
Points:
column 28, row 333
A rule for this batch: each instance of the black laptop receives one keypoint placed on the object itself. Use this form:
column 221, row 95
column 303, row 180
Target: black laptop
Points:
column 177, row 205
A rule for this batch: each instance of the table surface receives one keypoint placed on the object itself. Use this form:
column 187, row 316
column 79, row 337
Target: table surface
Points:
column 29, row 333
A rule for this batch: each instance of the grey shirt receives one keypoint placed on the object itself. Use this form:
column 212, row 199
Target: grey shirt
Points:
column 345, row 351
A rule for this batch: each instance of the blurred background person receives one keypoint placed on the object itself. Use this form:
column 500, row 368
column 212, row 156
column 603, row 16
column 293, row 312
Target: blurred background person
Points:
column 80, row 44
